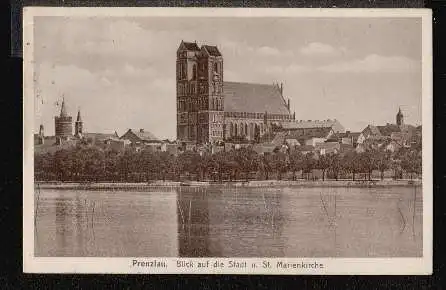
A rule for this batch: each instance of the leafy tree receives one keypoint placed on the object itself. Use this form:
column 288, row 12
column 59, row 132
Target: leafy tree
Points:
column 111, row 164
column 189, row 162
column 89, row 162
column 125, row 161
column 296, row 162
column 44, row 165
column 351, row 163
column 165, row 162
column 309, row 163
column 382, row 159
column 279, row 163
column 265, row 161
column 367, row 162
column 221, row 164
column 335, row 165
column 94, row 164
column 411, row 162
column 63, row 163
column 323, row 163
column 145, row 163
column 247, row 160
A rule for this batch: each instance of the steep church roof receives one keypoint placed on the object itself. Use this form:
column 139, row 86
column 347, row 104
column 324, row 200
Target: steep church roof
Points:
column 191, row 46
column 388, row 129
column 145, row 135
column 141, row 134
column 253, row 98
column 212, row 50
column 372, row 130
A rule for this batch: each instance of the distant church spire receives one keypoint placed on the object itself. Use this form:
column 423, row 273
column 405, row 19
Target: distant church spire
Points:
column 399, row 118
column 63, row 110
column 78, row 126
column 79, row 119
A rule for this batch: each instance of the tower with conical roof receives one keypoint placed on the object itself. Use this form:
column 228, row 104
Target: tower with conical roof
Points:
column 400, row 118
column 78, row 125
column 63, row 123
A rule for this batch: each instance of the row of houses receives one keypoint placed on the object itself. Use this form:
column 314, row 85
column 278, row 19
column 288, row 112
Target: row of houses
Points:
column 323, row 140
column 329, row 136
column 321, row 137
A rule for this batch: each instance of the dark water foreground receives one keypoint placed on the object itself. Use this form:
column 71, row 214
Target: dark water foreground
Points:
column 231, row 222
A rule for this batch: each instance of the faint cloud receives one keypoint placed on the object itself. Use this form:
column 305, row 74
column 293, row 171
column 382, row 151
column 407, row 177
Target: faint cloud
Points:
column 287, row 69
column 374, row 63
column 268, row 51
column 231, row 75
column 244, row 49
column 235, row 48
column 105, row 81
column 320, row 49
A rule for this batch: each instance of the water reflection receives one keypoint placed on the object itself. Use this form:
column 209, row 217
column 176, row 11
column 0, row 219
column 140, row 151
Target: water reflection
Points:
column 61, row 226
column 231, row 222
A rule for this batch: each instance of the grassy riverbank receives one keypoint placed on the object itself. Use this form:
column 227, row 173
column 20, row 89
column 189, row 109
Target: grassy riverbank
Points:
column 264, row 183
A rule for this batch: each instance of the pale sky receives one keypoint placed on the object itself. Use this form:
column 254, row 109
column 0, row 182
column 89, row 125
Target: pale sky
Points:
column 121, row 71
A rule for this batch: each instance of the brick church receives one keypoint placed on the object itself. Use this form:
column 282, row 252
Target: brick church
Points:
column 210, row 110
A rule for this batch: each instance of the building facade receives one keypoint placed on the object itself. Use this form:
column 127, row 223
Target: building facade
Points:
column 200, row 102
column 210, row 110
column 399, row 133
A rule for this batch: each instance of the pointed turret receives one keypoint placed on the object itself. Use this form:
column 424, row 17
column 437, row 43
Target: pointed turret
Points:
column 41, row 132
column 78, row 126
column 399, row 118
column 63, row 110
column 79, row 119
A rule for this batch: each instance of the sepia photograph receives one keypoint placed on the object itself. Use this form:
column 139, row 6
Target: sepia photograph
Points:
column 238, row 140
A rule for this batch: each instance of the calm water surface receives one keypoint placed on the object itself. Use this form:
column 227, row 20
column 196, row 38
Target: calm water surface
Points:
column 229, row 222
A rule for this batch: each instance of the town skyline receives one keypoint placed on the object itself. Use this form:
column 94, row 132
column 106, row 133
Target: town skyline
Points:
column 118, row 88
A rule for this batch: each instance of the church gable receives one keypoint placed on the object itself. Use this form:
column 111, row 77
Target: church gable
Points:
column 136, row 136
column 211, row 50
column 191, row 46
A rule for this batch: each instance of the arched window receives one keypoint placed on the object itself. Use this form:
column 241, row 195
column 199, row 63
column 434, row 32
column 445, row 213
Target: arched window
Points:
column 194, row 72
column 183, row 71
column 216, row 67
column 231, row 130
column 246, row 129
column 235, row 130
column 241, row 129
column 251, row 130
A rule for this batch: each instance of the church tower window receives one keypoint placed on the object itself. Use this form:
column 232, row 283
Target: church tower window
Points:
column 194, row 72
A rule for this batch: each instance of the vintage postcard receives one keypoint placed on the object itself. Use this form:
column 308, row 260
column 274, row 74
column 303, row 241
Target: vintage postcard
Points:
column 227, row 141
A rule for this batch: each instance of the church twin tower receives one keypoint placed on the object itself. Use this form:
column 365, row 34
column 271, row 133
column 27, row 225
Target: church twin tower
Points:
column 200, row 101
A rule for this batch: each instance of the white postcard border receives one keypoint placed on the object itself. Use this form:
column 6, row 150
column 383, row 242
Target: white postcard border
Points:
column 332, row 266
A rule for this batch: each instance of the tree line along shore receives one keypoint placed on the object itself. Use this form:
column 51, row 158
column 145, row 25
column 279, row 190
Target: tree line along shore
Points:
column 90, row 163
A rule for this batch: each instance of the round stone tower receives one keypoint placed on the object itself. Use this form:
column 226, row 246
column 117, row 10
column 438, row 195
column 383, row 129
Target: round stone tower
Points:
column 63, row 124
